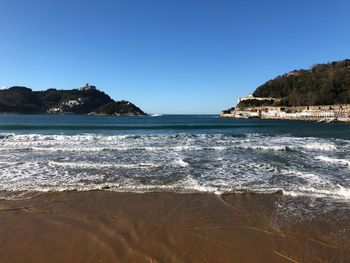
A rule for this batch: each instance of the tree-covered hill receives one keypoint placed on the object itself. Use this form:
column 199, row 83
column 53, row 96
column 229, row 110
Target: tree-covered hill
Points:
column 79, row 101
column 119, row 108
column 322, row 84
column 24, row 100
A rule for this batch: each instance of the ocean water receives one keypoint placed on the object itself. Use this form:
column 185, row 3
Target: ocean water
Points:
column 178, row 153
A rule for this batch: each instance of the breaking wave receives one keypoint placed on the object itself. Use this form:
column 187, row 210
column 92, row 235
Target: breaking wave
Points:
column 181, row 162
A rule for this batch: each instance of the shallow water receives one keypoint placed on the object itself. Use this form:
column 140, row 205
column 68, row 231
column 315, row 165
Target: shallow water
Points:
column 173, row 153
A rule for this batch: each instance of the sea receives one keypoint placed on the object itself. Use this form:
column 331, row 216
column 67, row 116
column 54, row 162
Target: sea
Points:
column 173, row 153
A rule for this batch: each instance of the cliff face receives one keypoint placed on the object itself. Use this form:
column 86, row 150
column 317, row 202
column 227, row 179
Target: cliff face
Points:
column 78, row 101
column 322, row 84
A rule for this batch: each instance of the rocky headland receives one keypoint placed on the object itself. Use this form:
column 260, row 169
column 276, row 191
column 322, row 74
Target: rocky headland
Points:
column 84, row 100
column 321, row 93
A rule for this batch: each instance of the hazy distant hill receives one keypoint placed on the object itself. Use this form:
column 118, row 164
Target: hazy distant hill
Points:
column 322, row 84
column 79, row 101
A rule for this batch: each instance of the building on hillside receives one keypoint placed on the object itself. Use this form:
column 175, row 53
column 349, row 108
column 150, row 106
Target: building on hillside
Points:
column 88, row 87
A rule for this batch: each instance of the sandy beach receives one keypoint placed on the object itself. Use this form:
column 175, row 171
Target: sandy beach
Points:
column 101, row 226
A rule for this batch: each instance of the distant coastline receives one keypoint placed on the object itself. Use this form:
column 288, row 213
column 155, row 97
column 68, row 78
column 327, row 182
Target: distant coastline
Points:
column 321, row 93
column 322, row 113
column 85, row 100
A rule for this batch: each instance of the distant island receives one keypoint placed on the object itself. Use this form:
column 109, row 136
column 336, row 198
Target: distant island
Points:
column 321, row 93
column 84, row 100
column 118, row 108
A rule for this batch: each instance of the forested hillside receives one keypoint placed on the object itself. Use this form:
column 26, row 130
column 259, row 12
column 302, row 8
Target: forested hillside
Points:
column 78, row 101
column 322, row 84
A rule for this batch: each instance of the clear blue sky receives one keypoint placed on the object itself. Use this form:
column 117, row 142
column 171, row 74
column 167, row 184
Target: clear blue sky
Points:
column 167, row 56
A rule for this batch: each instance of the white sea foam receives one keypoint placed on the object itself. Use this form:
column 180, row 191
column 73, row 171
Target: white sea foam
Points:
column 95, row 165
column 266, row 147
column 333, row 160
column 320, row 146
column 338, row 192
column 182, row 163
column 215, row 163
column 343, row 192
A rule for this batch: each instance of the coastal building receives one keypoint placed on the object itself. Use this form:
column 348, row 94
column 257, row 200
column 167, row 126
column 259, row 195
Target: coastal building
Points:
column 54, row 110
column 87, row 87
column 72, row 103
column 66, row 104
column 321, row 113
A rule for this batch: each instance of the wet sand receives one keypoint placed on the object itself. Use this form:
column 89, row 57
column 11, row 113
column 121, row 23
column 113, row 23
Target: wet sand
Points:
column 103, row 226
